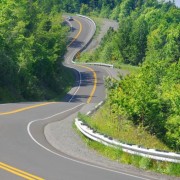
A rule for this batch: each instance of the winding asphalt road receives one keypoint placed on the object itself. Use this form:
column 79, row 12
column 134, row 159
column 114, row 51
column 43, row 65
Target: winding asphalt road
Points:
column 24, row 151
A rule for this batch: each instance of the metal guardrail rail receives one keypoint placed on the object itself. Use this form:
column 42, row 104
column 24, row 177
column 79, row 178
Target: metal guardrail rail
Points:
column 129, row 148
column 132, row 149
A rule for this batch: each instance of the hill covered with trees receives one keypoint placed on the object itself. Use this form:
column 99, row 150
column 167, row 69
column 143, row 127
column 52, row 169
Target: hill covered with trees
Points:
column 32, row 44
column 148, row 37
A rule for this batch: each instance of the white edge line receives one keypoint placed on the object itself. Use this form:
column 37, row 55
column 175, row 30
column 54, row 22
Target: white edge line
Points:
column 80, row 81
column 89, row 112
column 65, row 157
column 80, row 77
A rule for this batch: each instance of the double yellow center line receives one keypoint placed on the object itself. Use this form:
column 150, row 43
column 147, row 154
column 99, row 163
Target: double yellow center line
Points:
column 25, row 108
column 95, row 82
column 90, row 69
column 24, row 174
column 19, row 172
column 79, row 32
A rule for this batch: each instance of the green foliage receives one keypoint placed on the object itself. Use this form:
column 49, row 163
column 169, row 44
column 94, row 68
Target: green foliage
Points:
column 145, row 163
column 33, row 42
column 148, row 164
column 148, row 36
column 84, row 9
column 114, row 124
column 102, row 7
column 147, row 30
column 173, row 131
column 151, row 98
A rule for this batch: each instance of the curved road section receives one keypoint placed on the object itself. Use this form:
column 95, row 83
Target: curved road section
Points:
column 24, row 150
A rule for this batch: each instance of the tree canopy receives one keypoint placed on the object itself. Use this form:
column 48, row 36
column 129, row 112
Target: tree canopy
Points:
column 33, row 43
column 148, row 37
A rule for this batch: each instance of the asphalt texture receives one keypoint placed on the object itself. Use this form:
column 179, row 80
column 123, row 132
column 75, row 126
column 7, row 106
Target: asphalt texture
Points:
column 24, row 146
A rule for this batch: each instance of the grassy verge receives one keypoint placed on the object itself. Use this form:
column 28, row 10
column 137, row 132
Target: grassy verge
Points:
column 125, row 131
column 122, row 129
column 128, row 67
column 89, row 57
column 98, row 22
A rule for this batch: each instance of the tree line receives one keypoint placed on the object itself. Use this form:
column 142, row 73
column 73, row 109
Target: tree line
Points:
column 32, row 45
column 148, row 37
column 33, row 41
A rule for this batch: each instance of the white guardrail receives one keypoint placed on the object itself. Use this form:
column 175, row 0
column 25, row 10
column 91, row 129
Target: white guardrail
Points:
column 129, row 148
column 109, row 141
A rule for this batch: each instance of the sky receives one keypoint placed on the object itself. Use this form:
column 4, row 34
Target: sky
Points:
column 177, row 2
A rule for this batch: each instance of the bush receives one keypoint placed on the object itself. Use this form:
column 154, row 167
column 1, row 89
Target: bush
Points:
column 173, row 132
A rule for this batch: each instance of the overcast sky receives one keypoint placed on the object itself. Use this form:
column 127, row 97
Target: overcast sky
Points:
column 177, row 3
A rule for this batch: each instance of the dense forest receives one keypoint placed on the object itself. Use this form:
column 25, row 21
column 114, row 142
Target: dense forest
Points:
column 93, row 7
column 148, row 37
column 33, row 43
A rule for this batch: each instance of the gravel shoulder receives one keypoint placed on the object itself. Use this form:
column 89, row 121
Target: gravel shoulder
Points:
column 64, row 138
column 105, row 24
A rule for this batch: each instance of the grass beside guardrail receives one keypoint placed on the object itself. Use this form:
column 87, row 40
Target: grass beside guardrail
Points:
column 128, row 67
column 102, row 122
column 98, row 22
column 122, row 129
column 118, row 155
column 122, row 157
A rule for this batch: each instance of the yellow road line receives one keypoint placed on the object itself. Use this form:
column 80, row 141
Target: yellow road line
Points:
column 95, row 82
column 38, row 105
column 25, row 108
column 79, row 32
column 30, row 107
column 19, row 172
column 94, row 73
column 94, row 87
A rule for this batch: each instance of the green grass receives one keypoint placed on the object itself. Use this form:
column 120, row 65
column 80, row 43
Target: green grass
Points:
column 122, row 129
column 88, row 57
column 99, row 22
column 128, row 67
